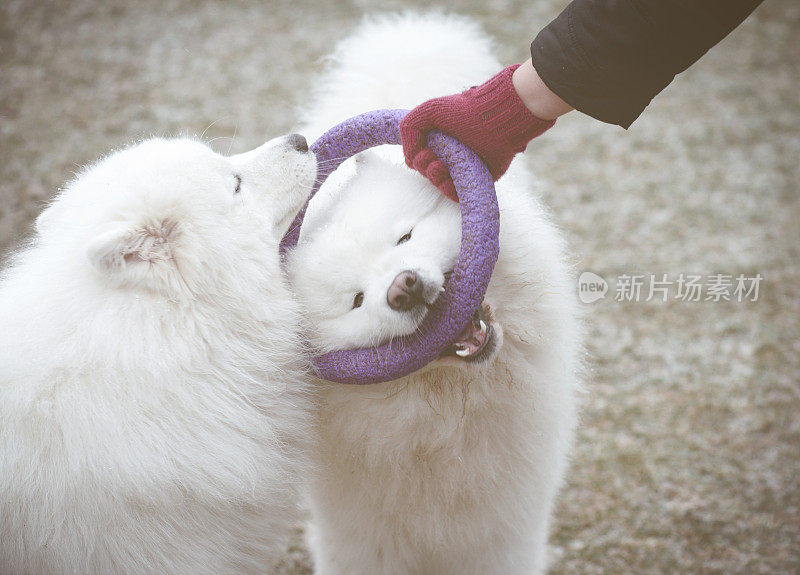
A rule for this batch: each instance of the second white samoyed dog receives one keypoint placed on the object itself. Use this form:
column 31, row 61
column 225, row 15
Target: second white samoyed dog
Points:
column 453, row 469
column 152, row 400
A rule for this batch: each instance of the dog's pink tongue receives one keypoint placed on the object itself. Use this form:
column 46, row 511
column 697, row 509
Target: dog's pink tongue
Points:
column 470, row 339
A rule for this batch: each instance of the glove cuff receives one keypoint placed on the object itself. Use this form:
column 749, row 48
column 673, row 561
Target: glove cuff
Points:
column 504, row 113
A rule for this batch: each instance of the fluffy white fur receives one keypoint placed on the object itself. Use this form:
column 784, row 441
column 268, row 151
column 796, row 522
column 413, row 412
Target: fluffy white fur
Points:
column 152, row 402
column 454, row 469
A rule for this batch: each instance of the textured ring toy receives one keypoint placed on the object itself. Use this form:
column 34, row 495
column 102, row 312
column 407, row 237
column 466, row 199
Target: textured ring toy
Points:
column 480, row 226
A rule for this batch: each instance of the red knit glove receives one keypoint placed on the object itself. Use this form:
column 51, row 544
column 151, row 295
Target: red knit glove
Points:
column 490, row 118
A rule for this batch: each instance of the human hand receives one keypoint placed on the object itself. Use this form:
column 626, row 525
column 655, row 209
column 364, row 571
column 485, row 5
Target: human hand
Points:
column 491, row 119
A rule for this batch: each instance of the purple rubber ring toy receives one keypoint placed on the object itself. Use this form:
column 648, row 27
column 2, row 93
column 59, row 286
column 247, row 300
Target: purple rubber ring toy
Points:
column 480, row 226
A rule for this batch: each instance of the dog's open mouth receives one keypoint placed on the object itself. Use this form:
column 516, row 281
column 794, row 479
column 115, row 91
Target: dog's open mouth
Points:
column 477, row 341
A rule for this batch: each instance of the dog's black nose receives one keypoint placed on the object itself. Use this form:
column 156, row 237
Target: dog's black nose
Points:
column 297, row 142
column 405, row 291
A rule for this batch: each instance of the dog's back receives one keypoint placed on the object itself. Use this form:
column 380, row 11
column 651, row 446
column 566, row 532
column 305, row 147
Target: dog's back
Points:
column 398, row 61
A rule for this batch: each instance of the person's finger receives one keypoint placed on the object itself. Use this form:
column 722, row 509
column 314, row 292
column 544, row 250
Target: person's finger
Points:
column 427, row 164
column 423, row 159
column 436, row 172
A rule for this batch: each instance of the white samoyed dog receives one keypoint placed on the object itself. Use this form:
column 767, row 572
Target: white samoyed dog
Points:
column 152, row 399
column 453, row 469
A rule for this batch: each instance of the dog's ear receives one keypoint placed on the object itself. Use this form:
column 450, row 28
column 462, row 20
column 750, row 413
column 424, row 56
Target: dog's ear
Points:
column 50, row 216
column 126, row 245
column 44, row 220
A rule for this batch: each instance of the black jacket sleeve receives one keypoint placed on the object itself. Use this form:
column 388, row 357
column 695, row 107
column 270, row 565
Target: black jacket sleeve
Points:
column 609, row 58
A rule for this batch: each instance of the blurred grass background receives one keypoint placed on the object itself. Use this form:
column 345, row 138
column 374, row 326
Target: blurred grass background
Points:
column 688, row 460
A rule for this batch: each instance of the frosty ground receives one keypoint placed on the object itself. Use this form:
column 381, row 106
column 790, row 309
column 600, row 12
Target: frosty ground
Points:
column 689, row 453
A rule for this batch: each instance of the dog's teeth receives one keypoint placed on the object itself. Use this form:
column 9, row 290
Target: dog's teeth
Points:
column 441, row 289
column 462, row 352
column 483, row 327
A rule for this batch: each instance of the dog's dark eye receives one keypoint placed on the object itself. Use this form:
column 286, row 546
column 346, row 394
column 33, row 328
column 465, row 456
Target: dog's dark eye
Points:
column 405, row 238
column 358, row 300
column 238, row 183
